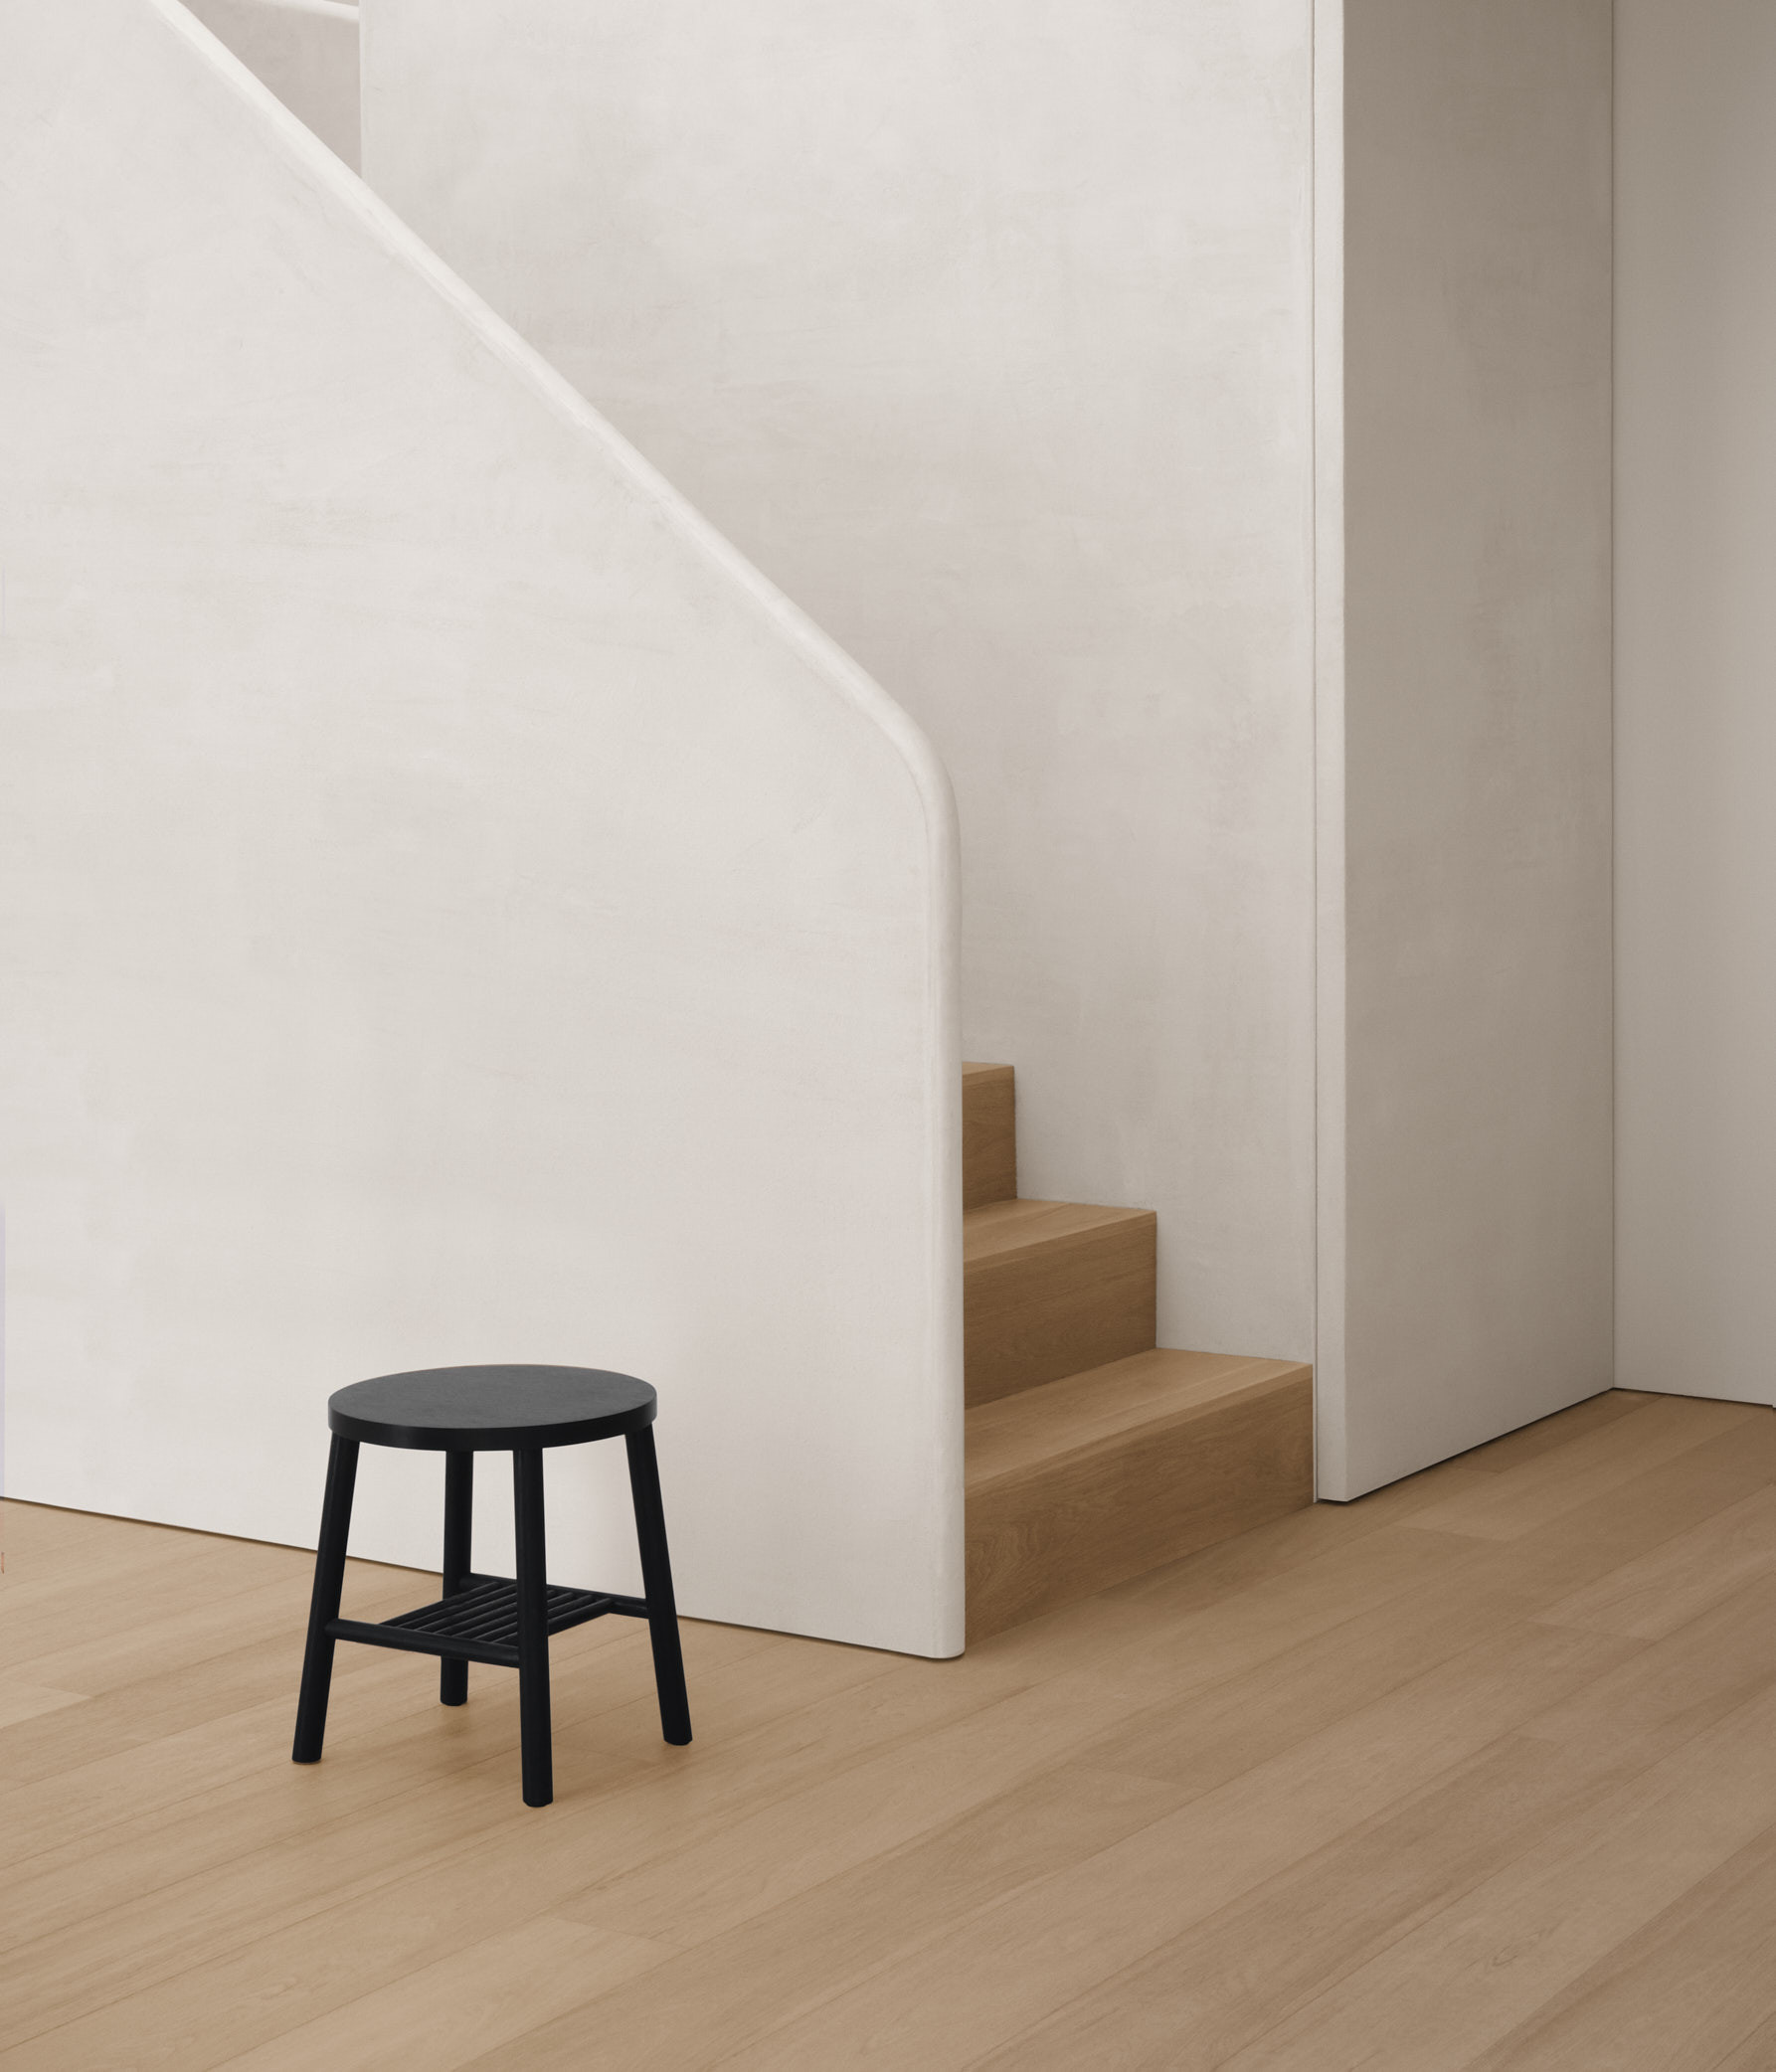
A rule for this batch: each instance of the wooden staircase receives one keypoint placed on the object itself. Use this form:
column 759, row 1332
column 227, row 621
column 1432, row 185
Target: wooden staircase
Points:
column 1092, row 1455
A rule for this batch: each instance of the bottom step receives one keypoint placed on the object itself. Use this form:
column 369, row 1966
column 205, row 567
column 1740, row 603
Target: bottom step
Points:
column 1086, row 1482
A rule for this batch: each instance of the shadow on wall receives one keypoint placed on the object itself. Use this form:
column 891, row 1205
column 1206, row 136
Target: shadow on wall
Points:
column 306, row 51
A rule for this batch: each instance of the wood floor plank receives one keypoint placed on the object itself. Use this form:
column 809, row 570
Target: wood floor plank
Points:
column 1216, row 1646
column 1441, row 1996
column 1595, row 1466
column 1007, row 1967
column 385, row 1704
column 1757, row 2054
column 1687, row 1679
column 708, row 2000
column 308, row 1974
column 1579, row 1543
column 1682, row 1577
column 141, row 1709
column 1530, row 1442
column 507, row 1859
column 22, row 1701
column 761, row 1860
column 1283, row 1601
column 1588, row 1540
column 1203, row 1994
column 82, row 1800
column 95, row 1588
column 374, row 1824
column 509, row 1865
column 1234, row 1725
column 191, row 1632
column 444, row 2014
column 543, row 1868
column 1477, row 1763
column 1683, row 1993
column 1190, row 2006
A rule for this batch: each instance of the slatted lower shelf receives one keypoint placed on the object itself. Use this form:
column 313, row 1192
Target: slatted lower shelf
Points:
column 481, row 1623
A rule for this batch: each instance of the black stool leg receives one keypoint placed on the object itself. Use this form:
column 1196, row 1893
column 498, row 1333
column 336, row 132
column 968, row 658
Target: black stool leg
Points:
column 533, row 1628
column 324, row 1607
column 460, row 1498
column 657, row 1587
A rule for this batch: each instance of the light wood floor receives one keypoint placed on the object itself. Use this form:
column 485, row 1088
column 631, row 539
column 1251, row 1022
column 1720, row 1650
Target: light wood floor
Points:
column 1478, row 1772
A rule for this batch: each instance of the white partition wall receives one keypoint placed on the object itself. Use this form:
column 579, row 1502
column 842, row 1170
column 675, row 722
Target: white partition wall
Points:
column 985, row 329
column 450, row 908
column 1696, row 695
column 1466, row 1097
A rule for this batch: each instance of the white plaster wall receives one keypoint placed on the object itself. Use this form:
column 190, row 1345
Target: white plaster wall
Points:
column 1695, row 696
column 306, row 51
column 1472, row 1214
column 450, row 908
column 987, row 331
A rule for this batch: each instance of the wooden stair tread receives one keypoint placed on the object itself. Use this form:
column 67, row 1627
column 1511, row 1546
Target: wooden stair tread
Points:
column 1042, row 1426
column 1000, row 1228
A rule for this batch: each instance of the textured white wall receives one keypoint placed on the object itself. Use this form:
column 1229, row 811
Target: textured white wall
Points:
column 1696, row 695
column 985, row 331
column 1469, row 1203
column 450, row 908
column 306, row 51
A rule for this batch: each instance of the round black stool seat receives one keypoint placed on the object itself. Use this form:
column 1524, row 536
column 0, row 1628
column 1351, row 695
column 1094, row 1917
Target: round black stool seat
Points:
column 491, row 1409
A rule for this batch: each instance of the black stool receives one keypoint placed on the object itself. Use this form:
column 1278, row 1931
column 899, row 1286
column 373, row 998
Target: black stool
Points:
column 461, row 1412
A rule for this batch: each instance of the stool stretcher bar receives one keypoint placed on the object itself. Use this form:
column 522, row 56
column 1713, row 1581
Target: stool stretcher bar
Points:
column 480, row 1624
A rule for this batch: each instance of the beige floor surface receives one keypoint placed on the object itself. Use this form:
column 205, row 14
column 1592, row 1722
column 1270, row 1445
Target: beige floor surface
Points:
column 1480, row 1772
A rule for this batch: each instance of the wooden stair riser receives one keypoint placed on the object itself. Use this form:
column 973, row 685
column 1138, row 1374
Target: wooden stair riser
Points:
column 988, row 1134
column 1053, row 1531
column 1058, row 1304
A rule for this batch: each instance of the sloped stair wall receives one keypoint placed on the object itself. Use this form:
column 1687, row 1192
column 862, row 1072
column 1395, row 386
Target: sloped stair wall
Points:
column 454, row 909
